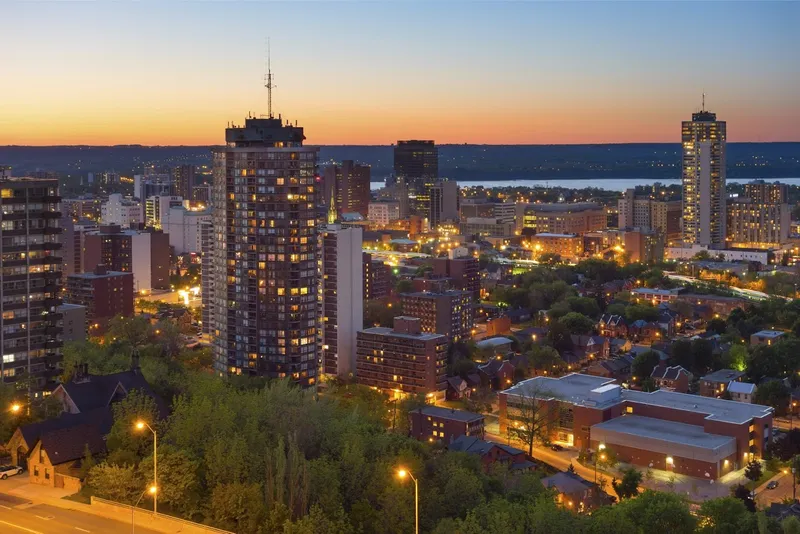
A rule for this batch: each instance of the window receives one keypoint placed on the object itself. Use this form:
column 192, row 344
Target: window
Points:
column 36, row 470
column 629, row 409
column 46, row 473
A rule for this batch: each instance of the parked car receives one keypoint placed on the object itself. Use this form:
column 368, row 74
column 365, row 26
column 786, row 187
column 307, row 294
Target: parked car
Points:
column 9, row 471
column 773, row 484
column 556, row 447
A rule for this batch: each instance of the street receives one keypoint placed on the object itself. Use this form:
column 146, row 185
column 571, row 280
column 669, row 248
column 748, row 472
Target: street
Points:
column 765, row 497
column 20, row 515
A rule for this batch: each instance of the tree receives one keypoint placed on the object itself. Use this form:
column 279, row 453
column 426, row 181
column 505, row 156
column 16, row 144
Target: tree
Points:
column 643, row 365
column 648, row 384
column 726, row 515
column 577, row 323
column 736, row 358
column 87, row 463
column 753, row 471
column 178, row 479
column 532, row 416
column 628, row 486
column 558, row 336
column 718, row 326
column 550, row 258
column 654, row 511
column 381, row 312
column 404, row 286
column 544, row 358
column 773, row 393
column 237, row 507
column 125, row 444
column 116, row 483
column 741, row 492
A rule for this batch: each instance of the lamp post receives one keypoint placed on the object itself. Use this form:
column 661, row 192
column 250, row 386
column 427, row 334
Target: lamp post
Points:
column 152, row 490
column 402, row 474
column 139, row 426
column 601, row 447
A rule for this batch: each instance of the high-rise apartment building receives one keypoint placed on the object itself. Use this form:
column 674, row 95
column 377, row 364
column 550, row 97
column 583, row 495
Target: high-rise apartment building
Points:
column 760, row 219
column 264, row 314
column 207, row 277
column 73, row 243
column 416, row 164
column 444, row 203
column 157, row 209
column 184, row 229
column 342, row 293
column 402, row 360
column 464, row 273
column 30, row 281
column 646, row 213
column 377, row 278
column 105, row 294
column 384, row 212
column 145, row 253
column 703, row 177
column 449, row 313
column 349, row 183
column 183, row 178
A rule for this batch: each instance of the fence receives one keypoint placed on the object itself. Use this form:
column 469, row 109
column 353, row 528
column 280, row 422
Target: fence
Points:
column 162, row 523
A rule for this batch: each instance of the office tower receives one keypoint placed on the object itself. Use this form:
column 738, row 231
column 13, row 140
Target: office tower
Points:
column 760, row 219
column 265, row 264
column 105, row 178
column 106, row 294
column 704, row 180
column 152, row 184
column 30, row 281
column 416, row 164
column 377, row 277
column 121, row 211
column 342, row 292
column 563, row 218
column 183, row 177
column 84, row 207
column 349, row 183
column 444, row 203
column 449, row 313
column 145, row 253
column 464, row 273
column 402, row 360
column 206, row 274
column 157, row 209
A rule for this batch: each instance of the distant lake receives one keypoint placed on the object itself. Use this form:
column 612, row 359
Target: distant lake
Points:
column 611, row 184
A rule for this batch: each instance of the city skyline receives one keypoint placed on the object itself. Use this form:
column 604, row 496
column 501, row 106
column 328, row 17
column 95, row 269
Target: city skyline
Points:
column 495, row 73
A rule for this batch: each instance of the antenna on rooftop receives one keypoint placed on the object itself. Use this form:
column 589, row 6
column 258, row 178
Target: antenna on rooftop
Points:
column 704, row 101
column 268, row 81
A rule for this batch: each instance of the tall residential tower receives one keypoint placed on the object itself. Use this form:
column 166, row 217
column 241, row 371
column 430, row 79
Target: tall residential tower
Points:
column 264, row 309
column 704, row 210
column 416, row 165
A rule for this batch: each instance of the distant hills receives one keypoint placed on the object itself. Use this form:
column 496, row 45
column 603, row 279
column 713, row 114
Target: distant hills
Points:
column 460, row 162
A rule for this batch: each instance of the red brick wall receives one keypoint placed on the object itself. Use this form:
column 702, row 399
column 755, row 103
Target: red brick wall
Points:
column 683, row 466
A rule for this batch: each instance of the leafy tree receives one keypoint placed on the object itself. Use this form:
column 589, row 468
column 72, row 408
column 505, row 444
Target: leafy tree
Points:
column 116, row 483
column 741, row 492
column 404, row 286
column 773, row 393
column 643, row 365
column 726, row 515
column 577, row 323
column 462, row 368
column 126, row 444
column 791, row 525
column 178, row 479
column 237, row 507
column 654, row 511
column 648, row 384
column 319, row 522
column 753, row 471
column 87, row 463
column 532, row 416
column 717, row 326
column 381, row 312
column 628, row 486
column 616, row 308
column 645, row 312
column 736, row 358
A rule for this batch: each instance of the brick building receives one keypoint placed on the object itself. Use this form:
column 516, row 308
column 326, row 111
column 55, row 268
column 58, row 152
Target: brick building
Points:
column 464, row 273
column 687, row 434
column 105, row 294
column 434, row 423
column 449, row 312
column 402, row 360
column 145, row 253
column 377, row 278
column 714, row 384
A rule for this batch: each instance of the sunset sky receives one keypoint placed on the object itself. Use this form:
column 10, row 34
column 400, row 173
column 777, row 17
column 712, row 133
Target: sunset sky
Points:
column 174, row 72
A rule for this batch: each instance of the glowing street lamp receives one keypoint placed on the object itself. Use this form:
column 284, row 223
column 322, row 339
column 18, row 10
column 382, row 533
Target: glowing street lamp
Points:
column 152, row 490
column 402, row 473
column 140, row 425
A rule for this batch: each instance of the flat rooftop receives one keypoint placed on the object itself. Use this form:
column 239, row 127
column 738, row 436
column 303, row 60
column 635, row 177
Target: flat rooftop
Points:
column 385, row 331
column 769, row 333
column 723, row 376
column 548, row 234
column 577, row 389
column 666, row 437
column 447, row 413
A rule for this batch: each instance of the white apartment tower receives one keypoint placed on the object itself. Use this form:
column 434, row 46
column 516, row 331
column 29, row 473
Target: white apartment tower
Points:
column 704, row 209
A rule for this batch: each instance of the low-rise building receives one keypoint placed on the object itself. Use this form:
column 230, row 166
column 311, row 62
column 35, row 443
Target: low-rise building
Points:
column 612, row 326
column 434, row 423
column 766, row 337
column 568, row 246
column 742, row 391
column 674, row 378
column 716, row 383
column 402, row 360
column 655, row 296
column 572, row 492
column 491, row 453
column 486, row 227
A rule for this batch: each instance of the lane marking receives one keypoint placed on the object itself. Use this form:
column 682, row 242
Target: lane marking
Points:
column 43, row 518
column 6, row 507
column 82, row 529
column 21, row 528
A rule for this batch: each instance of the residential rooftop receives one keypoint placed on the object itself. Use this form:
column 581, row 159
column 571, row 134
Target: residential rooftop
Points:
column 587, row 390
column 449, row 413
column 742, row 387
column 723, row 376
column 385, row 331
column 769, row 333
column 651, row 291
column 493, row 342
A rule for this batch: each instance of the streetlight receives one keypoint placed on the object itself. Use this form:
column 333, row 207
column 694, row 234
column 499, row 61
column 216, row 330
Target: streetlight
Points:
column 139, row 426
column 601, row 447
column 402, row 474
column 152, row 490
column 16, row 407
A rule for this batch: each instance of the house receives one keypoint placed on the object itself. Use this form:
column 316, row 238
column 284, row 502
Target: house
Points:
column 491, row 453
column 498, row 326
column 595, row 347
column 667, row 322
column 86, row 392
column 497, row 374
column 495, row 345
column 674, row 378
column 618, row 369
column 434, row 423
column 645, row 331
column 518, row 316
column 714, row 384
column 781, row 511
column 473, row 381
column 742, row 391
column 573, row 492
column 56, row 458
column 612, row 326
column 618, row 345
column 457, row 388
column 534, row 334
column 25, row 437
column 766, row 337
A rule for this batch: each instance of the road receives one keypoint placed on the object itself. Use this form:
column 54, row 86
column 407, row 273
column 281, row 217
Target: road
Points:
column 765, row 497
column 20, row 516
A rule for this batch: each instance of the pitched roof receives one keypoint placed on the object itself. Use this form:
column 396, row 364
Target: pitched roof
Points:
column 68, row 444
column 97, row 390
column 723, row 376
column 457, row 383
column 447, row 413
column 566, row 483
column 612, row 320
column 745, row 388
column 475, row 445
column 669, row 373
column 100, row 418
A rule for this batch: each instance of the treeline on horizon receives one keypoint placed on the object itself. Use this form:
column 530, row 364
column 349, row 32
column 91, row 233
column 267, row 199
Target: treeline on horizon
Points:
column 460, row 162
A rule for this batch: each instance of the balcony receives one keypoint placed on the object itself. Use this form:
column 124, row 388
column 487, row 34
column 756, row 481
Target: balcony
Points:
column 51, row 214
column 53, row 344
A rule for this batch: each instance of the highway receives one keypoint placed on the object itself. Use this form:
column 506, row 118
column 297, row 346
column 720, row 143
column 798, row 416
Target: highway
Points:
column 20, row 516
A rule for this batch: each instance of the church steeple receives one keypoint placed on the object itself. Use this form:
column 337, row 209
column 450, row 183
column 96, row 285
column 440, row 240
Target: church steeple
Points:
column 332, row 215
